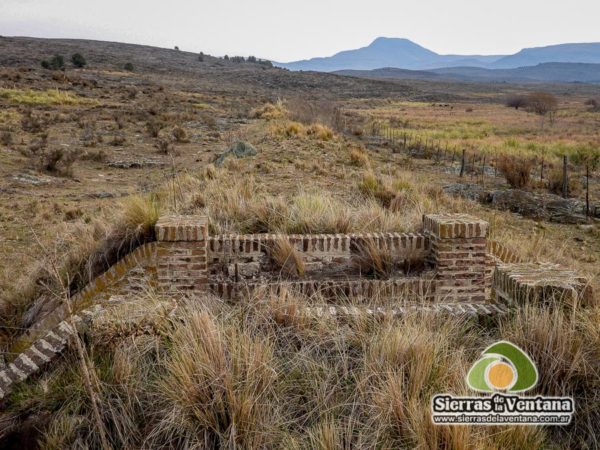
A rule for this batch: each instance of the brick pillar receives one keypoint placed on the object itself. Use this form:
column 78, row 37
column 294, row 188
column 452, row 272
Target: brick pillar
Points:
column 181, row 251
column 458, row 253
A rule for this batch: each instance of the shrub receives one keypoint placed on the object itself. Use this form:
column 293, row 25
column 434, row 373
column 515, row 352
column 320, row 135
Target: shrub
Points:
column 78, row 60
column 32, row 123
column 543, row 104
column 128, row 67
column 516, row 101
column 154, row 126
column 163, row 146
column 180, row 135
column 516, row 171
column 57, row 160
column 594, row 104
column 57, row 62
column 6, row 138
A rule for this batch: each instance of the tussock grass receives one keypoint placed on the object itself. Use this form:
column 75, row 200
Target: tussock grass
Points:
column 270, row 111
column 287, row 258
column 374, row 259
column 359, row 158
column 260, row 374
column 47, row 97
column 292, row 129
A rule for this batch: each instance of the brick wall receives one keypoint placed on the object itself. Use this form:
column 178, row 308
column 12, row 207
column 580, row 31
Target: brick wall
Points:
column 244, row 257
column 181, row 253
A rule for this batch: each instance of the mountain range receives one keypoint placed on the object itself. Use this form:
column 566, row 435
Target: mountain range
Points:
column 402, row 58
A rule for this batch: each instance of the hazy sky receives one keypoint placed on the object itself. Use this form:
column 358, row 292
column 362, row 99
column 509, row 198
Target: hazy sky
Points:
column 285, row 30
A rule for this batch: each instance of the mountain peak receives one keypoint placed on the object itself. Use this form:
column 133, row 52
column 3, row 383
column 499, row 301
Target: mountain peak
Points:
column 403, row 53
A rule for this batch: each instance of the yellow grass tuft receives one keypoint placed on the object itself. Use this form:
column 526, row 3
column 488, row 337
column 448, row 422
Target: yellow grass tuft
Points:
column 287, row 258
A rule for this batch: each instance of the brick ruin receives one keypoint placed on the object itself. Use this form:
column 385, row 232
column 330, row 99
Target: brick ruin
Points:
column 451, row 266
column 448, row 260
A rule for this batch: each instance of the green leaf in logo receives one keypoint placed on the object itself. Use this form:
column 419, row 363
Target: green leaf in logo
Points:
column 476, row 376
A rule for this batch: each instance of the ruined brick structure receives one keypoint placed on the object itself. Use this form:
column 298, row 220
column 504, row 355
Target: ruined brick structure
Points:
column 450, row 267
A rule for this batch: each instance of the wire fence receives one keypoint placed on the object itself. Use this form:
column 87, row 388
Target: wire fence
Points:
column 478, row 166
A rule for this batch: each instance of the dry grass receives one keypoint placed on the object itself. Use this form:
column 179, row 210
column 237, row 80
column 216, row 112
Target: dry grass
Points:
column 260, row 374
column 359, row 158
column 373, row 259
column 270, row 111
column 288, row 259
column 517, row 171
column 80, row 253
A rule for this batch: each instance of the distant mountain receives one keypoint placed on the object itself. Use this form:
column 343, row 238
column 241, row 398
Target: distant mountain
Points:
column 547, row 72
column 388, row 52
column 405, row 54
column 565, row 53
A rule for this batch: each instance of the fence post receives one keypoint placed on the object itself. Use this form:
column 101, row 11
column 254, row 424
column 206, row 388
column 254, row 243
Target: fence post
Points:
column 587, row 190
column 565, row 186
column 462, row 163
column 483, row 172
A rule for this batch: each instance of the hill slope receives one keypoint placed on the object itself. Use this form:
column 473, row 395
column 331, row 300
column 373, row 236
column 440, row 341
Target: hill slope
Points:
column 548, row 72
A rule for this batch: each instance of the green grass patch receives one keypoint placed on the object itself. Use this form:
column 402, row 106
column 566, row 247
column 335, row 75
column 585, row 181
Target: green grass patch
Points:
column 47, row 97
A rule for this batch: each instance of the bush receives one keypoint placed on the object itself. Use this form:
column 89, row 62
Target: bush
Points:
column 57, row 62
column 516, row 171
column 128, row 67
column 543, row 104
column 6, row 138
column 164, row 146
column 78, row 60
column 180, row 135
column 516, row 101
column 594, row 104
column 154, row 126
column 58, row 161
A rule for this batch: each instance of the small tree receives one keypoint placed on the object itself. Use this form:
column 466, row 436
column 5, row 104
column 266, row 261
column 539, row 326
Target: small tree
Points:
column 543, row 104
column 78, row 60
column 226, row 58
column 251, row 59
column 201, row 57
column 128, row 67
column 516, row 101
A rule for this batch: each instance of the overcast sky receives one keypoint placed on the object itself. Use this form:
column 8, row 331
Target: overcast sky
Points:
column 284, row 30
